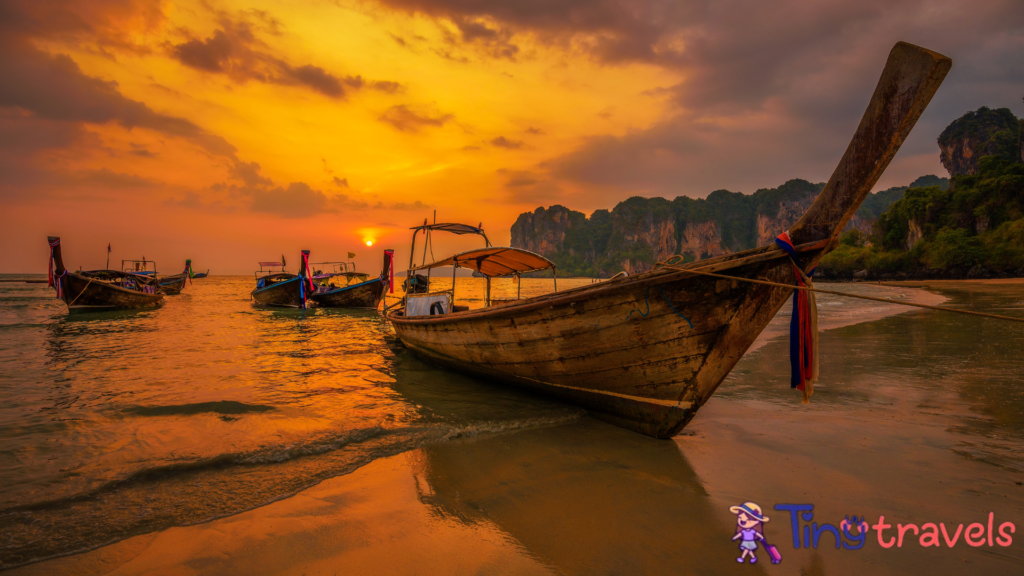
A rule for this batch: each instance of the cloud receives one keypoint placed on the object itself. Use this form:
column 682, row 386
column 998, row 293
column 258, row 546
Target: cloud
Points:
column 249, row 173
column 236, row 51
column 53, row 87
column 776, row 88
column 298, row 200
column 410, row 206
column 406, row 120
column 502, row 142
column 106, row 27
column 494, row 41
column 535, row 131
column 341, row 182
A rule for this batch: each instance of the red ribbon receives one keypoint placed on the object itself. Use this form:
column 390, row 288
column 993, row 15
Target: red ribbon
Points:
column 805, row 340
column 391, row 270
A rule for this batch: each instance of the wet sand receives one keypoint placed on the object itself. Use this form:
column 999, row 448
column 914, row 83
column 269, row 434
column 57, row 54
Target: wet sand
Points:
column 913, row 421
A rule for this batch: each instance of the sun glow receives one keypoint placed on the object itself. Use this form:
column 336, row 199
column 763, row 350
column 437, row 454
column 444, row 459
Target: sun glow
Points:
column 369, row 242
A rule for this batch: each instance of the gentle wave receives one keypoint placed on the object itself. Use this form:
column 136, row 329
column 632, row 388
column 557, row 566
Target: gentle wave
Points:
column 182, row 494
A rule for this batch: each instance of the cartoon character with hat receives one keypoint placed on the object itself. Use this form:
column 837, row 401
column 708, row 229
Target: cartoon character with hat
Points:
column 749, row 529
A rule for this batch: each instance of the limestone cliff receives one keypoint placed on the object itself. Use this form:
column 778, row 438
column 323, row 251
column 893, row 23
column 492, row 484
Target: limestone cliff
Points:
column 702, row 240
column 543, row 230
column 775, row 222
column 639, row 232
column 984, row 132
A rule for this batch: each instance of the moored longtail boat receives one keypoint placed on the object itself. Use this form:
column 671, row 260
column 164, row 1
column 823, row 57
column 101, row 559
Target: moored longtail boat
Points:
column 176, row 283
column 282, row 289
column 646, row 352
column 98, row 290
column 351, row 289
column 201, row 274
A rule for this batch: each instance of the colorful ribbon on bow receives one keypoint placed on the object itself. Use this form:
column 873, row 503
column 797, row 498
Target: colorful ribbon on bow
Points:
column 56, row 282
column 803, row 328
column 306, row 276
column 388, row 273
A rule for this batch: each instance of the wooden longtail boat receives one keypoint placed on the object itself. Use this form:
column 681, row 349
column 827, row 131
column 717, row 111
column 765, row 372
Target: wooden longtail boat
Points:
column 98, row 290
column 646, row 352
column 337, row 290
column 176, row 283
column 201, row 274
column 282, row 289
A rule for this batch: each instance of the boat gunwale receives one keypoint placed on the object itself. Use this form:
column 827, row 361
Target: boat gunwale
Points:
column 275, row 285
column 343, row 288
column 91, row 281
column 654, row 277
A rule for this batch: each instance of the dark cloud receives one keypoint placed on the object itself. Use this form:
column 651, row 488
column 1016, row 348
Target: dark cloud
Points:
column 109, row 179
column 236, row 50
column 406, row 120
column 53, row 87
column 298, row 200
column 536, row 131
column 410, row 206
column 502, row 142
column 497, row 42
column 142, row 151
column 105, row 26
column 341, row 182
column 249, row 174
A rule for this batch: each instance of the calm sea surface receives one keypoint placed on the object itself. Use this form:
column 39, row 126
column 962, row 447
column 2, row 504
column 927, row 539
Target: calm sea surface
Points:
column 121, row 423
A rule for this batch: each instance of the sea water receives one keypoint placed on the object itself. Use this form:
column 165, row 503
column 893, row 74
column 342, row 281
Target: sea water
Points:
column 121, row 423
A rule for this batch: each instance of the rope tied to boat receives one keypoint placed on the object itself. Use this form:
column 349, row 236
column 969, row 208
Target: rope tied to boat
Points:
column 803, row 327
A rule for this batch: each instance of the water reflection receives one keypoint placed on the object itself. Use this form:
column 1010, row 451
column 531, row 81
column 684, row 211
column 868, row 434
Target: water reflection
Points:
column 588, row 498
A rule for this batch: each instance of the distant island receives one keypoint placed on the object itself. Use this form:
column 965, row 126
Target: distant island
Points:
column 970, row 225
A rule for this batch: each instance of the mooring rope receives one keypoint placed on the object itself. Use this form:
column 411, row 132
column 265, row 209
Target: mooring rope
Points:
column 668, row 266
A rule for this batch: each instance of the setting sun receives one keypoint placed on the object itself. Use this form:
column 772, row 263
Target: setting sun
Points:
column 369, row 242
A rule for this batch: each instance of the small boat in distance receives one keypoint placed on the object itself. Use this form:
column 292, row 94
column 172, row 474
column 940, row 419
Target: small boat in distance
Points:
column 201, row 274
column 98, row 290
column 176, row 283
column 350, row 289
column 645, row 352
column 280, row 288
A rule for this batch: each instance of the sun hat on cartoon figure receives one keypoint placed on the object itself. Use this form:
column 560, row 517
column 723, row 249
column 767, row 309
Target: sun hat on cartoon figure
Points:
column 749, row 521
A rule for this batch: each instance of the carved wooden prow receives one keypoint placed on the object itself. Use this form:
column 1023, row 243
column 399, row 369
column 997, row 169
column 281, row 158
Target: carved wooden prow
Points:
column 58, row 261
column 911, row 76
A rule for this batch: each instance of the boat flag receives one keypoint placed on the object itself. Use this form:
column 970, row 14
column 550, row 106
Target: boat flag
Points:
column 351, row 254
column 803, row 328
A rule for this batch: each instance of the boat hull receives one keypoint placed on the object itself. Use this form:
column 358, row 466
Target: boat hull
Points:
column 286, row 294
column 84, row 294
column 644, row 352
column 363, row 295
column 173, row 284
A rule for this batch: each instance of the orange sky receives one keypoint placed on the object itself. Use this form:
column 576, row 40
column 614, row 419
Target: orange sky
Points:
column 233, row 131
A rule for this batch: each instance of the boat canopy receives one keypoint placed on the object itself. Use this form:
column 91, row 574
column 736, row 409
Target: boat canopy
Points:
column 495, row 261
column 269, row 263
column 453, row 228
